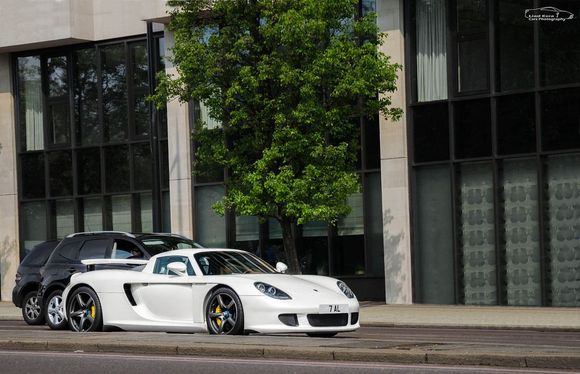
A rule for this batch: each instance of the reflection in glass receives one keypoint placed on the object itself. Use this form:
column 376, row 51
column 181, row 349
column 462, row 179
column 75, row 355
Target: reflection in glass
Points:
column 434, row 239
column 33, row 220
column 114, row 85
column 522, row 245
column 349, row 253
column 65, row 218
column 60, row 177
column 30, row 103
column 247, row 233
column 210, row 227
column 121, row 212
column 140, row 88
column 117, row 172
column 56, row 69
column 166, row 212
column 472, row 46
column 431, row 46
column 89, row 170
column 92, row 214
column 477, row 234
column 374, row 225
column 86, row 97
column 563, row 209
column 142, row 166
column 146, row 202
column 32, row 174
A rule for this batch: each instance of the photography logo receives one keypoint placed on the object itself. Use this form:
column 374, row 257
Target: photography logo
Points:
column 548, row 13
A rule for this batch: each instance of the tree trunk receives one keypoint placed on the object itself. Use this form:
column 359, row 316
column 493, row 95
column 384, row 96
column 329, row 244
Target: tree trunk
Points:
column 291, row 235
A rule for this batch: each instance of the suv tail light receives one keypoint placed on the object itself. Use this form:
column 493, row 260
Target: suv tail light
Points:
column 18, row 277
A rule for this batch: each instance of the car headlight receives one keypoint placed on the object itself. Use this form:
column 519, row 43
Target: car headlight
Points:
column 271, row 291
column 345, row 290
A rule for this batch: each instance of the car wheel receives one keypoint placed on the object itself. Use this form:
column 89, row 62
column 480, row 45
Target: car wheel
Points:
column 31, row 310
column 224, row 313
column 54, row 313
column 321, row 334
column 84, row 310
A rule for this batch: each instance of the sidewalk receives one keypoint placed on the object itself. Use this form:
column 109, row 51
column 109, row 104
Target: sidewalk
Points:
column 346, row 347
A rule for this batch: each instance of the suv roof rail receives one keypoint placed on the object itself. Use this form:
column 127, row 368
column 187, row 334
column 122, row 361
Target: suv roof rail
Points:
column 163, row 234
column 99, row 233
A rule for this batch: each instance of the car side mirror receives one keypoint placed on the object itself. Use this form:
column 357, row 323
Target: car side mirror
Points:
column 177, row 268
column 281, row 267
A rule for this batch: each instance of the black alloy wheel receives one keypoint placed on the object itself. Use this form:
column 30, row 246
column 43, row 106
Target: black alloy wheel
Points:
column 31, row 310
column 84, row 310
column 224, row 313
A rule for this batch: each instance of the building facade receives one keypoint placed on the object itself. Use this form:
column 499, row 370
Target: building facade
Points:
column 473, row 197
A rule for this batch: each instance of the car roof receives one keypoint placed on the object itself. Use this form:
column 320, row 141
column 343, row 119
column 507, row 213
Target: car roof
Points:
column 189, row 251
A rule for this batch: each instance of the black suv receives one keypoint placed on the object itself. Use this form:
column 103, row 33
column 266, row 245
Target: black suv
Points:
column 24, row 294
column 66, row 260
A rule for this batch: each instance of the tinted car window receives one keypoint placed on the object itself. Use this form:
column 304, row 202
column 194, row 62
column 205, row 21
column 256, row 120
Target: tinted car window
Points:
column 162, row 262
column 94, row 249
column 125, row 249
column 156, row 245
column 65, row 253
column 39, row 254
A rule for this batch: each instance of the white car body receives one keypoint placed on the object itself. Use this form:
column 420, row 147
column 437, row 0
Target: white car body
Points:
column 177, row 303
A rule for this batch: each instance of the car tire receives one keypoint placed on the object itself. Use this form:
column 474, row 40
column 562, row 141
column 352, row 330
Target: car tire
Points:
column 53, row 311
column 31, row 309
column 84, row 311
column 321, row 334
column 224, row 313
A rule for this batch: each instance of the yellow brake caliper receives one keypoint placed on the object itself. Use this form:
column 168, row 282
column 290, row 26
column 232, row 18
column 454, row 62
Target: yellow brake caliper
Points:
column 218, row 320
column 93, row 311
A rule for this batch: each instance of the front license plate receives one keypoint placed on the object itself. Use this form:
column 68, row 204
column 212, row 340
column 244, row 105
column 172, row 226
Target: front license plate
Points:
column 332, row 308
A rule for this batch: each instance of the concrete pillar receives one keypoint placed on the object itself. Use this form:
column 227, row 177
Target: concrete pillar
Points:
column 179, row 148
column 394, row 166
column 9, row 250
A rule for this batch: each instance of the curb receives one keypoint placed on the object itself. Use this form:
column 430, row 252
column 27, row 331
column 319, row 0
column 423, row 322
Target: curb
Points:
column 472, row 326
column 540, row 361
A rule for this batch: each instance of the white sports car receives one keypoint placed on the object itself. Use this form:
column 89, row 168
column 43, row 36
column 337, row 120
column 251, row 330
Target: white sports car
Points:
column 221, row 291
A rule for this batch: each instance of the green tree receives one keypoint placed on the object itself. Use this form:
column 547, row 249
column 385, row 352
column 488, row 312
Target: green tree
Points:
column 288, row 80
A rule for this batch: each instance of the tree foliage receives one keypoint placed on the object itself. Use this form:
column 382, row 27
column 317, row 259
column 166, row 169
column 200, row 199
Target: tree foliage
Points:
column 289, row 80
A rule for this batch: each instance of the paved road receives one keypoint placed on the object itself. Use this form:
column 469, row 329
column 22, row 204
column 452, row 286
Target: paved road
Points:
column 64, row 363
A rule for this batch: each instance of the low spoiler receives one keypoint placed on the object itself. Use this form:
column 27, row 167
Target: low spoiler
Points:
column 112, row 261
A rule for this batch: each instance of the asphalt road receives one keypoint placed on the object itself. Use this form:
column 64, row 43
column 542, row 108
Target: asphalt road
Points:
column 57, row 362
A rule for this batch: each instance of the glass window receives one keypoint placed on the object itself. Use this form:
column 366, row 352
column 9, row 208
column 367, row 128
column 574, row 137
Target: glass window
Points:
column 560, row 119
column 477, row 233
column 434, row 239
column 522, row 244
column 58, row 100
column 32, row 174
column 472, row 45
column 121, row 212
column 516, row 124
column 166, row 212
column 247, row 233
column 431, row 132
column 162, row 262
column 472, row 129
column 210, row 227
column 65, row 218
column 30, row 103
column 349, row 251
column 89, row 170
column 92, row 214
column 374, row 226
column 142, row 169
column 114, row 86
column 33, row 221
column 563, row 220
column 94, row 249
column 86, row 97
column 431, row 49
column 146, row 205
column 164, row 155
column 60, row 173
column 515, row 45
column 313, row 253
column 140, row 88
column 117, row 172
column 559, row 47
column 372, row 143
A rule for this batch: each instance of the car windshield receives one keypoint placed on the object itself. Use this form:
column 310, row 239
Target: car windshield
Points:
column 225, row 262
column 158, row 244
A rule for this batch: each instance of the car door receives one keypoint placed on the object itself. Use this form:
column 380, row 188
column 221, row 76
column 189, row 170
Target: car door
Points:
column 167, row 297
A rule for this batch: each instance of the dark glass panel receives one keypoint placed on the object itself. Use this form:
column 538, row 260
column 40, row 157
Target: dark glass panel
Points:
column 561, row 119
column 516, row 124
column 472, row 129
column 471, row 16
column 372, row 143
column 516, row 45
column 117, row 170
column 89, row 170
column 86, row 98
column 139, row 65
column 56, row 68
column 559, row 47
column 33, row 221
column 313, row 255
column 472, row 65
column 64, row 217
column 114, row 85
column 210, row 227
column 349, row 255
column 60, row 173
column 164, row 155
column 30, row 104
column 33, row 178
column 92, row 212
column 141, row 113
column 431, row 132
column 142, row 167
column 374, row 225
column 58, row 121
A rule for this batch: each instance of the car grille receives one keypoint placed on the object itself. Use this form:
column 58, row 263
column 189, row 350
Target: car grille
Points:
column 353, row 318
column 328, row 320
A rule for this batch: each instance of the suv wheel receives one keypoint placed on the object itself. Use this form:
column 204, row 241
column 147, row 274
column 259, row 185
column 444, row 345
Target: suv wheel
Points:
column 54, row 311
column 31, row 310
